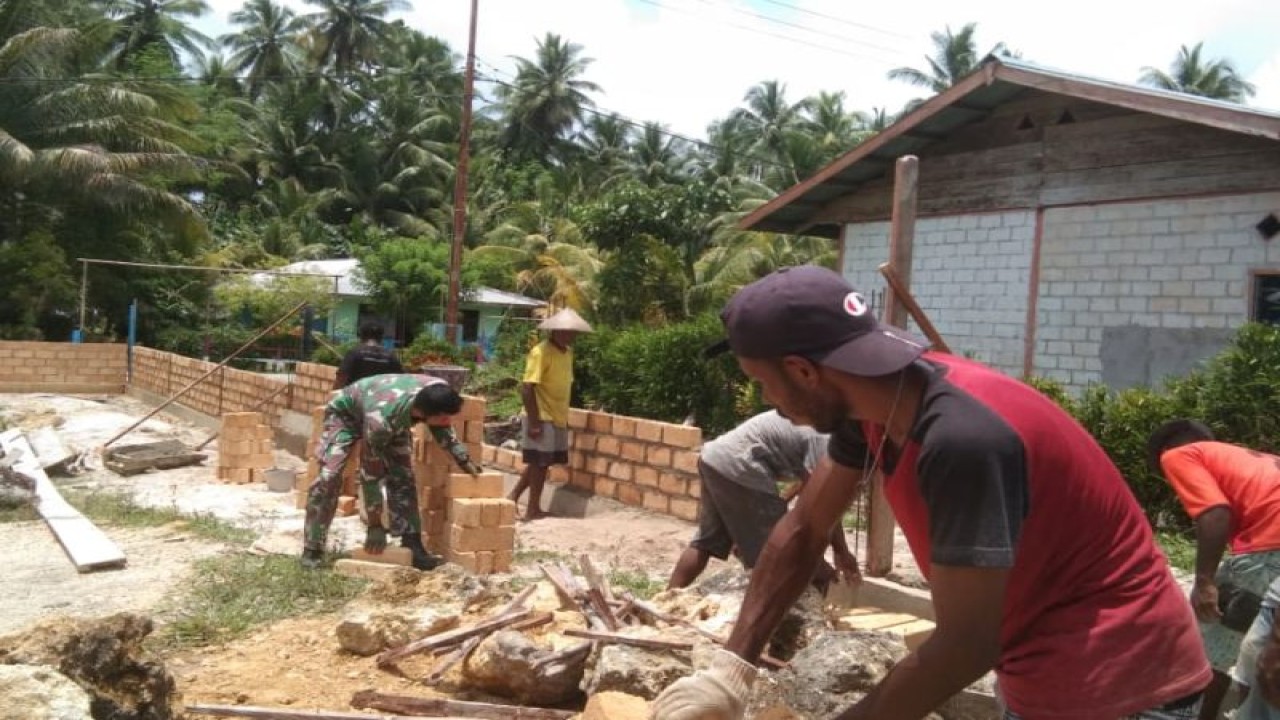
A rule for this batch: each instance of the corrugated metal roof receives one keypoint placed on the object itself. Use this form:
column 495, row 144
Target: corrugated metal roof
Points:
column 995, row 82
column 349, row 283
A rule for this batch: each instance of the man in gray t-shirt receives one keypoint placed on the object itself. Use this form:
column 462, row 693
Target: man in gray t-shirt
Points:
column 740, row 504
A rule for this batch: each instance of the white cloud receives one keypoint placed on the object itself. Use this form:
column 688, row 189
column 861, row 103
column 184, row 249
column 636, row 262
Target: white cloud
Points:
column 688, row 62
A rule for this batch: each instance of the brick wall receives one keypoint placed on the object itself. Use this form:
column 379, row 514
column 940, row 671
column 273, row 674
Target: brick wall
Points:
column 227, row 390
column 1157, row 284
column 970, row 273
column 62, row 367
column 639, row 462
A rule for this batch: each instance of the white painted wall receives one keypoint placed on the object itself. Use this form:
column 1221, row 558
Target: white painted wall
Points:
column 1159, row 284
column 970, row 273
column 1172, row 265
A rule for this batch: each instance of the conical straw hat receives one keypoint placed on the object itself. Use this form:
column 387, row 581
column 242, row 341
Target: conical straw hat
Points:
column 566, row 319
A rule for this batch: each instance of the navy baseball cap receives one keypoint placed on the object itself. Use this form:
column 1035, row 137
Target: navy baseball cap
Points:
column 813, row 312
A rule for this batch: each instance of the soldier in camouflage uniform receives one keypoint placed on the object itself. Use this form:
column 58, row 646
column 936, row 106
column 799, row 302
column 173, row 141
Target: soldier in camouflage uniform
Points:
column 381, row 409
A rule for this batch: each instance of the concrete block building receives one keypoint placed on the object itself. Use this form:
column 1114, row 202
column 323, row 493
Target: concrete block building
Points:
column 1068, row 227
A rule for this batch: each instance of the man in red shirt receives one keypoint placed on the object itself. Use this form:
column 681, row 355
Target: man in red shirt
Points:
column 1232, row 494
column 1040, row 562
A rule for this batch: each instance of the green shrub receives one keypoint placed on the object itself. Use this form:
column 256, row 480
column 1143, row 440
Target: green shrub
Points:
column 660, row 373
column 1237, row 393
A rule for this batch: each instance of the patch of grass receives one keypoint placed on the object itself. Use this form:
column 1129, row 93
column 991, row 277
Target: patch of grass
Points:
column 21, row 513
column 524, row 557
column 1179, row 547
column 229, row 595
column 118, row 510
column 640, row 585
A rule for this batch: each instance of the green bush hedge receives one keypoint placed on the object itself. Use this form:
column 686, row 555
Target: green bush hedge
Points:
column 660, row 373
column 1237, row 393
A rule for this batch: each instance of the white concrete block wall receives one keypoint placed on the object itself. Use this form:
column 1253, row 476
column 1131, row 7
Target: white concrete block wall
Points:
column 970, row 273
column 1179, row 263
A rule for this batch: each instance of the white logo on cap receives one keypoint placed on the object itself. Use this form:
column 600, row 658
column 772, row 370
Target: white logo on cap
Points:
column 855, row 305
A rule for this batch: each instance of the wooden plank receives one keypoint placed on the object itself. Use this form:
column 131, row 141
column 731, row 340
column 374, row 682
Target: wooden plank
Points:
column 366, row 570
column 876, row 621
column 433, row 707
column 388, row 556
column 650, row 643
column 49, row 449
column 266, row 713
column 161, row 455
column 450, row 637
column 88, row 547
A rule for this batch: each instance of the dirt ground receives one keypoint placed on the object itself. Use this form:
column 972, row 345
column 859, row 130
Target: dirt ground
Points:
column 296, row 662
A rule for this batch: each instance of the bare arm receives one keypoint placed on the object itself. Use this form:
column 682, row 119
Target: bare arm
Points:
column 1213, row 531
column 969, row 603
column 790, row 556
column 530, row 399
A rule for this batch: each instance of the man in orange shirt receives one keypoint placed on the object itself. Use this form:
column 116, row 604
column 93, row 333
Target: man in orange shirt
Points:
column 1232, row 494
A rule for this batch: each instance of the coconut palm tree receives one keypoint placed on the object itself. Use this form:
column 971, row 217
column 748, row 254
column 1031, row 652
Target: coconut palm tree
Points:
column 955, row 55
column 1194, row 75
column 69, row 141
column 546, row 101
column 549, row 256
column 266, row 45
column 657, row 157
column 349, row 33
column 769, row 118
column 161, row 25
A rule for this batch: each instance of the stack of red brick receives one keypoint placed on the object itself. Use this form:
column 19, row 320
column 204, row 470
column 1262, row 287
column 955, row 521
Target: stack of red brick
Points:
column 482, row 532
column 244, row 448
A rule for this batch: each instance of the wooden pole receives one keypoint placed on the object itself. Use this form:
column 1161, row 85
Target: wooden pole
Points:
column 880, row 522
column 84, row 294
column 460, row 186
column 266, row 713
column 202, row 378
column 903, row 295
column 902, row 230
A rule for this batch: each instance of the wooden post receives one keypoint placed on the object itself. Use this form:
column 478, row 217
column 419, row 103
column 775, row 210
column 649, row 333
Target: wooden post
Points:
column 880, row 523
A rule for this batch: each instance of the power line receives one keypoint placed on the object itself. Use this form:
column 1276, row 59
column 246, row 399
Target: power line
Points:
column 805, row 28
column 788, row 38
column 825, row 16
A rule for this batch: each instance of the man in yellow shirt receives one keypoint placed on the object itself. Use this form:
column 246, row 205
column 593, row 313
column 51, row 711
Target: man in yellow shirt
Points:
column 548, row 379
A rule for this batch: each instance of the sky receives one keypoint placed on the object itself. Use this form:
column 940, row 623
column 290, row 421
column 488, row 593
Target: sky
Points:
column 686, row 63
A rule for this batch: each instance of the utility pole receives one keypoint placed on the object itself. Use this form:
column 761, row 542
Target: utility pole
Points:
column 460, row 187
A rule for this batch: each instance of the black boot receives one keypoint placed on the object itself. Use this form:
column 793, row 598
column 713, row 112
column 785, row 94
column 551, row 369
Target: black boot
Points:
column 422, row 559
column 312, row 559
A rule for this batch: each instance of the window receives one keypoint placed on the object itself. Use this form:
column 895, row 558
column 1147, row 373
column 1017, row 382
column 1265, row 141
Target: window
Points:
column 470, row 325
column 1265, row 303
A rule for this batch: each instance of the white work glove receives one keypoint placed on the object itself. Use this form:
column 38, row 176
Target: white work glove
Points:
column 717, row 693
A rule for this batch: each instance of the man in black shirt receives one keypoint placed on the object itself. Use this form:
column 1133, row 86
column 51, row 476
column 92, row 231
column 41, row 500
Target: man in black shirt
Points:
column 367, row 359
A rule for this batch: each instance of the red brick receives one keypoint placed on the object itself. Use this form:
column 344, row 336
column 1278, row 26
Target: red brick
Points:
column 600, row 422
column 630, row 494
column 624, row 427
column 608, row 445
column 673, row 485
column 656, row 501
column 660, row 456
column 683, row 436
column 685, row 461
column 605, row 487
column 619, row 470
column 598, row 465
column 646, row 476
column 685, row 509
column 648, row 431
column 577, row 419
column 585, row 441
column 632, row 451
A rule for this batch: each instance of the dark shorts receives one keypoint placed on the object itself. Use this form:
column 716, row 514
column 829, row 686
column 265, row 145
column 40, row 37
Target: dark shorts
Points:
column 731, row 514
column 550, row 449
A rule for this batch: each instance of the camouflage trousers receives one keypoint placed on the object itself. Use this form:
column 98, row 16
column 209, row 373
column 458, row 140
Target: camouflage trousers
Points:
column 390, row 465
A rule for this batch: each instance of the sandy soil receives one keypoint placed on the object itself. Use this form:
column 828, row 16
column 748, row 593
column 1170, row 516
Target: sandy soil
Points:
column 40, row 581
column 296, row 662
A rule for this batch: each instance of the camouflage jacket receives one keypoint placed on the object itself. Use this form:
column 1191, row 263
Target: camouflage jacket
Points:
column 380, row 407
